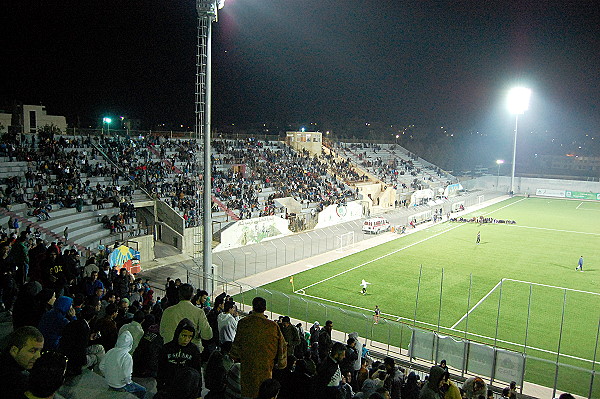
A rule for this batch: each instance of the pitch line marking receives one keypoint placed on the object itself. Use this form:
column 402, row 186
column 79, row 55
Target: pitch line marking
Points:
column 403, row 248
column 558, row 230
column 476, row 305
column 581, row 203
column 552, row 286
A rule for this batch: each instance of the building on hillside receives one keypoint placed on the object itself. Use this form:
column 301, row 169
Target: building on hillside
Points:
column 578, row 165
column 30, row 119
column 310, row 141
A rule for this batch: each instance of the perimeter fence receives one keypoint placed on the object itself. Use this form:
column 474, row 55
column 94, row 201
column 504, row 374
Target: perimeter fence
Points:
column 546, row 343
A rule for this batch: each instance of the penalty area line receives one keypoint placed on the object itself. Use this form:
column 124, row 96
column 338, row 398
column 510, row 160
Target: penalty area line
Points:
column 476, row 305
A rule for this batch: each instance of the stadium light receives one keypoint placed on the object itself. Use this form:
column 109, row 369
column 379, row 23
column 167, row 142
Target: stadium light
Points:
column 106, row 120
column 518, row 103
column 498, row 162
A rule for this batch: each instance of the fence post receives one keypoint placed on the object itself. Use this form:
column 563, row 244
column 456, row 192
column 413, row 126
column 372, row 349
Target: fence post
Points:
column 441, row 294
column 464, row 365
column 526, row 336
column 276, row 260
column 562, row 320
column 417, row 298
column 255, row 257
column 594, row 361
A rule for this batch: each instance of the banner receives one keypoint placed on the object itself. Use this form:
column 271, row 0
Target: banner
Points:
column 421, row 344
column 509, row 366
column 583, row 195
column 451, row 350
column 481, row 359
column 546, row 192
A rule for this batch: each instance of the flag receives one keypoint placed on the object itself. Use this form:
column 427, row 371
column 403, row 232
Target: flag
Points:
column 292, row 280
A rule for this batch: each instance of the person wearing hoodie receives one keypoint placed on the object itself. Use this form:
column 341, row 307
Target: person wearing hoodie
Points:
column 411, row 388
column 178, row 353
column 173, row 315
column 54, row 321
column 117, row 367
column 431, row 390
column 227, row 322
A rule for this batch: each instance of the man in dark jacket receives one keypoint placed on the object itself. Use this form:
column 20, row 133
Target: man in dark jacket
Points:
column 121, row 284
column 329, row 375
column 347, row 365
column 431, row 390
column 145, row 357
column 180, row 352
column 325, row 342
column 290, row 333
column 24, row 347
column 394, row 378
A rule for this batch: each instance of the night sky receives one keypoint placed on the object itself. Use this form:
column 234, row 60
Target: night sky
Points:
column 424, row 62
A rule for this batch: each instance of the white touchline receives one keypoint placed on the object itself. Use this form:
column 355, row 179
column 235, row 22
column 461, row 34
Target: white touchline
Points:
column 403, row 248
column 581, row 203
column 477, row 304
column 551, row 286
column 549, row 229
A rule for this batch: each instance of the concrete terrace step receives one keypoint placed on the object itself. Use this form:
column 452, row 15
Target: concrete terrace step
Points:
column 90, row 385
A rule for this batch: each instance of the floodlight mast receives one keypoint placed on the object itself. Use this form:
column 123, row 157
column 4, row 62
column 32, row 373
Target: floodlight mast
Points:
column 207, row 14
column 518, row 103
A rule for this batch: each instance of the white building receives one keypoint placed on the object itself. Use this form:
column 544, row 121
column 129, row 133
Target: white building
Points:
column 30, row 119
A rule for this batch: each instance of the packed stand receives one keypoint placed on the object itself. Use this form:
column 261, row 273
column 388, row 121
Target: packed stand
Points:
column 168, row 169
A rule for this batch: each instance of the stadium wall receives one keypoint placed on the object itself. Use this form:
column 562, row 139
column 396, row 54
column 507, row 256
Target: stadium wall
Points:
column 528, row 185
column 145, row 246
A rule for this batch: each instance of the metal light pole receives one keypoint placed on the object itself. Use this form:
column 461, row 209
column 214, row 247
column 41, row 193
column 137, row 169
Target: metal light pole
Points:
column 518, row 103
column 207, row 14
column 498, row 162
column 106, row 120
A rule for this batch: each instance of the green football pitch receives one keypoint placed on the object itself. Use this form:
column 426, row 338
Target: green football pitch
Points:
column 518, row 289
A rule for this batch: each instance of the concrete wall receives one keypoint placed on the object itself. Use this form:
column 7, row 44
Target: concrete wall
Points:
column 528, row 185
column 169, row 236
column 145, row 245
column 385, row 193
column 168, row 215
column 192, row 241
column 334, row 214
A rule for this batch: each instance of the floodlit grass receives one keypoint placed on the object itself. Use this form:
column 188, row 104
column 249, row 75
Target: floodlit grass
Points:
column 543, row 247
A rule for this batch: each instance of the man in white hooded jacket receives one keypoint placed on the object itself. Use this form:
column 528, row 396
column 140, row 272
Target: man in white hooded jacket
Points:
column 117, row 367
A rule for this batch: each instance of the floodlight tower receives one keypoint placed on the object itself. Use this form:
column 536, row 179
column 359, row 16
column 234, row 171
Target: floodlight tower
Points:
column 518, row 103
column 207, row 14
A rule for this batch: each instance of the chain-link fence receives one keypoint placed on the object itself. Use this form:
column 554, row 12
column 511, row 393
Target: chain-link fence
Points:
column 541, row 325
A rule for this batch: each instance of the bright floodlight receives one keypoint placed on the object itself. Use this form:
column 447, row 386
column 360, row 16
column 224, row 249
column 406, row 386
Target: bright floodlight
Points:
column 518, row 100
column 107, row 120
column 500, row 161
